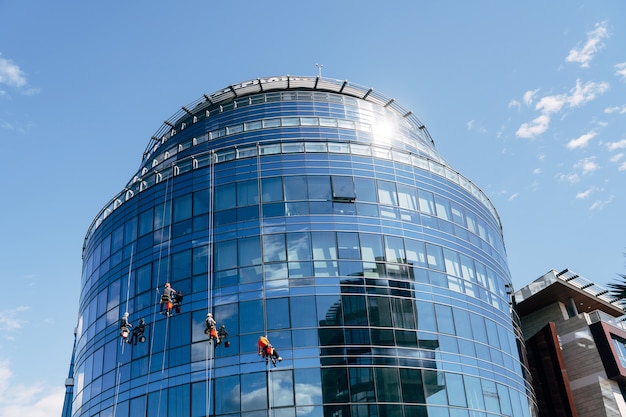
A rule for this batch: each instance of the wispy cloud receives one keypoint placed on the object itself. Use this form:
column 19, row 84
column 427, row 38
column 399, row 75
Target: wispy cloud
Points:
column 10, row 321
column 571, row 178
column 513, row 196
column 616, row 158
column 616, row 109
column 581, row 141
column 620, row 70
column 600, row 204
column 584, row 194
column 587, row 166
column 473, row 126
column 36, row 400
column 580, row 94
column 585, row 53
column 620, row 144
column 536, row 171
column 13, row 76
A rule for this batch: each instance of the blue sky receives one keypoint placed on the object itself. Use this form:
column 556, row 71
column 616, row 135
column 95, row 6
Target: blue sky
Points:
column 527, row 99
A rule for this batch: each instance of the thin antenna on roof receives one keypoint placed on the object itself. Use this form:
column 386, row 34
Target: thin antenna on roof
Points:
column 319, row 69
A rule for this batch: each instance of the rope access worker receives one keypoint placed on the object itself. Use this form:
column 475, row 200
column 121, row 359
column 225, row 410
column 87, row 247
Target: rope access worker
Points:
column 210, row 328
column 125, row 327
column 267, row 351
column 166, row 299
column 178, row 301
column 138, row 332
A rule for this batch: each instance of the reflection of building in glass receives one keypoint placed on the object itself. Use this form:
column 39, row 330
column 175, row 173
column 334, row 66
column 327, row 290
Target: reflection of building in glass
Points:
column 319, row 213
column 575, row 336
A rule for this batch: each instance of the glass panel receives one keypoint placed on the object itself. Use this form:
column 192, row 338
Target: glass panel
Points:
column 443, row 208
column 324, row 245
column 387, row 193
column 272, row 189
column 295, row 188
column 371, row 247
column 379, row 309
column 229, row 399
column 308, row 386
column 253, row 313
column 445, row 322
column 249, row 250
column 348, row 245
column 426, row 202
column 247, row 193
column 253, row 391
column 394, row 249
column 412, row 386
column 319, row 187
column 415, row 252
column 278, row 313
column 343, row 188
column 434, row 256
column 274, row 248
column 334, row 385
column 182, row 208
column 451, row 259
column 282, row 390
column 225, row 255
column 299, row 246
column 387, row 384
column 365, row 189
column 225, row 197
column 361, row 384
column 303, row 312
column 407, row 197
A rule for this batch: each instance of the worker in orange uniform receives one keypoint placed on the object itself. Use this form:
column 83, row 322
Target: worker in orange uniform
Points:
column 267, row 351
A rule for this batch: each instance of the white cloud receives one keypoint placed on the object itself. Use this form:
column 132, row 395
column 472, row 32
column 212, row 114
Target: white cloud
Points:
column 620, row 144
column 571, row 178
column 547, row 105
column 472, row 125
column 620, row 70
column 581, row 141
column 582, row 94
column 514, row 103
column 534, row 128
column 584, row 194
column 35, row 400
column 583, row 55
column 615, row 158
column 513, row 196
column 9, row 320
column 616, row 109
column 587, row 165
column 622, row 167
column 599, row 204
column 536, row 171
column 529, row 95
column 11, row 74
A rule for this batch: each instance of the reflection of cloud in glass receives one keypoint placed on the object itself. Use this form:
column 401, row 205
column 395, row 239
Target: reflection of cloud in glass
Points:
column 307, row 394
column 254, row 400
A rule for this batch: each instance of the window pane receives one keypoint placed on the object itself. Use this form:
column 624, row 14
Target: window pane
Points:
column 434, row 256
column 412, row 387
column 272, row 189
column 253, row 313
column 394, row 249
column 443, row 208
column 319, row 187
column 426, row 202
column 295, row 188
column 303, row 312
column 387, row 193
column 229, row 399
column 225, row 255
column 451, row 259
column 247, row 193
column 308, row 386
column 282, row 391
column 225, row 197
column 182, row 208
column 415, row 252
column 407, row 197
column 254, row 391
column 299, row 246
column 371, row 247
column 277, row 313
column 343, row 188
column 365, row 189
column 274, row 248
column 324, row 245
column 249, row 250
column 348, row 245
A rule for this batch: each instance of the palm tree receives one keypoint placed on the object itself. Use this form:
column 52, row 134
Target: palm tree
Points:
column 618, row 289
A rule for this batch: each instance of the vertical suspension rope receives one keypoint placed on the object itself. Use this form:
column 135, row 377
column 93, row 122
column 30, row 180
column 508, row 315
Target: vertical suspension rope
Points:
column 268, row 380
column 210, row 354
column 154, row 308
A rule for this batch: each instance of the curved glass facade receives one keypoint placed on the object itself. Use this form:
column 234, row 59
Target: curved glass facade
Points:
column 319, row 213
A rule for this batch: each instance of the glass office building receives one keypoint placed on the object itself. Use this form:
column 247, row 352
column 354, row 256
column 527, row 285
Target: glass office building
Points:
column 317, row 212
